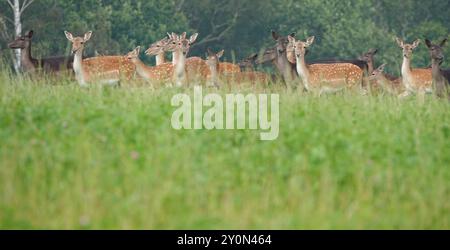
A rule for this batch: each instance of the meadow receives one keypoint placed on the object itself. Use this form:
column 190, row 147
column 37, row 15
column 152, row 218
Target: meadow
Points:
column 108, row 158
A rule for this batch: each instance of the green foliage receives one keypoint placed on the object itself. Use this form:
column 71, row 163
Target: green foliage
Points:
column 344, row 29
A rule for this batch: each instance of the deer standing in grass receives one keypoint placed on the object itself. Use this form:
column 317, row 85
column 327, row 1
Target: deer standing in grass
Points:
column 324, row 77
column 198, row 65
column 414, row 80
column 280, row 60
column 441, row 77
column 180, row 46
column 379, row 79
column 240, row 77
column 157, row 49
column 103, row 69
column 30, row 64
column 159, row 73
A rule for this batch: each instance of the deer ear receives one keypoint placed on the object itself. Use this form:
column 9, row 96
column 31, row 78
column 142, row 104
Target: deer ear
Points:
column 183, row 35
column 292, row 34
column 442, row 44
column 137, row 50
column 69, row 35
column 210, row 53
column 399, row 42
column 30, row 34
column 291, row 39
column 415, row 43
column 220, row 54
column 381, row 68
column 310, row 41
column 275, row 35
column 373, row 51
column 87, row 36
column 428, row 43
column 193, row 38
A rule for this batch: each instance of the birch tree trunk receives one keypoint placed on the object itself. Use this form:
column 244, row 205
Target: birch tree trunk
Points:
column 17, row 31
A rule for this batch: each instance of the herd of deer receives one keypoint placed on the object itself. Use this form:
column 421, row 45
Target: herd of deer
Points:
column 288, row 56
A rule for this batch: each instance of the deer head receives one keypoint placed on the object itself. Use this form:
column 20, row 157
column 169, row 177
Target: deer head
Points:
column 249, row 61
column 368, row 57
column 300, row 46
column 435, row 50
column 213, row 58
column 282, row 42
column 133, row 56
column 21, row 42
column 158, row 47
column 180, row 43
column 407, row 48
column 78, row 42
column 377, row 72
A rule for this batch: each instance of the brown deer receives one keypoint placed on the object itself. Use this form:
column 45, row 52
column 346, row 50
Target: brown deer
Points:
column 378, row 79
column 441, row 77
column 324, row 77
column 179, row 46
column 30, row 64
column 280, row 60
column 157, row 49
column 159, row 73
column 414, row 80
column 198, row 64
column 239, row 77
column 104, row 69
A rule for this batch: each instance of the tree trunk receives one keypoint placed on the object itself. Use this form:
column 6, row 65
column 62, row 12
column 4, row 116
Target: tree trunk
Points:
column 17, row 31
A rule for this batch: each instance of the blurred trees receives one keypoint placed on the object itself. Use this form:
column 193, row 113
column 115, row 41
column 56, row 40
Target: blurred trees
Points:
column 343, row 29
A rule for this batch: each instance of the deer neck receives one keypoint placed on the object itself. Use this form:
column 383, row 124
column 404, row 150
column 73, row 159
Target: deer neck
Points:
column 179, row 71
column 407, row 73
column 78, row 67
column 369, row 67
column 174, row 58
column 141, row 69
column 303, row 71
column 27, row 62
column 213, row 77
column 160, row 59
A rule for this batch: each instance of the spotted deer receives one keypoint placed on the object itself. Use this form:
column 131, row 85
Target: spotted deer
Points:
column 159, row 73
column 378, row 79
column 441, row 77
column 103, row 69
column 157, row 49
column 180, row 46
column 324, row 77
column 197, row 64
column 414, row 80
column 30, row 64
column 216, row 76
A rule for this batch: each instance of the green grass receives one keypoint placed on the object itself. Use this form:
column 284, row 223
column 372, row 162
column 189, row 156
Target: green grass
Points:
column 107, row 158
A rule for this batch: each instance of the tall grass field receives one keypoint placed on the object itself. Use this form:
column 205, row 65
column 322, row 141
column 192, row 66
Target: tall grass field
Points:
column 108, row 158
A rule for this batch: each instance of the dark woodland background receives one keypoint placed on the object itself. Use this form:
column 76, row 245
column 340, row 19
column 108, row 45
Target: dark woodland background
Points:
column 343, row 29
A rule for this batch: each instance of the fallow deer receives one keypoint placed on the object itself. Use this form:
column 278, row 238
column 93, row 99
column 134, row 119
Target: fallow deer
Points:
column 159, row 73
column 280, row 60
column 378, row 79
column 324, row 77
column 441, row 77
column 198, row 64
column 157, row 49
column 104, row 69
column 239, row 77
column 30, row 64
column 180, row 46
column 414, row 80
